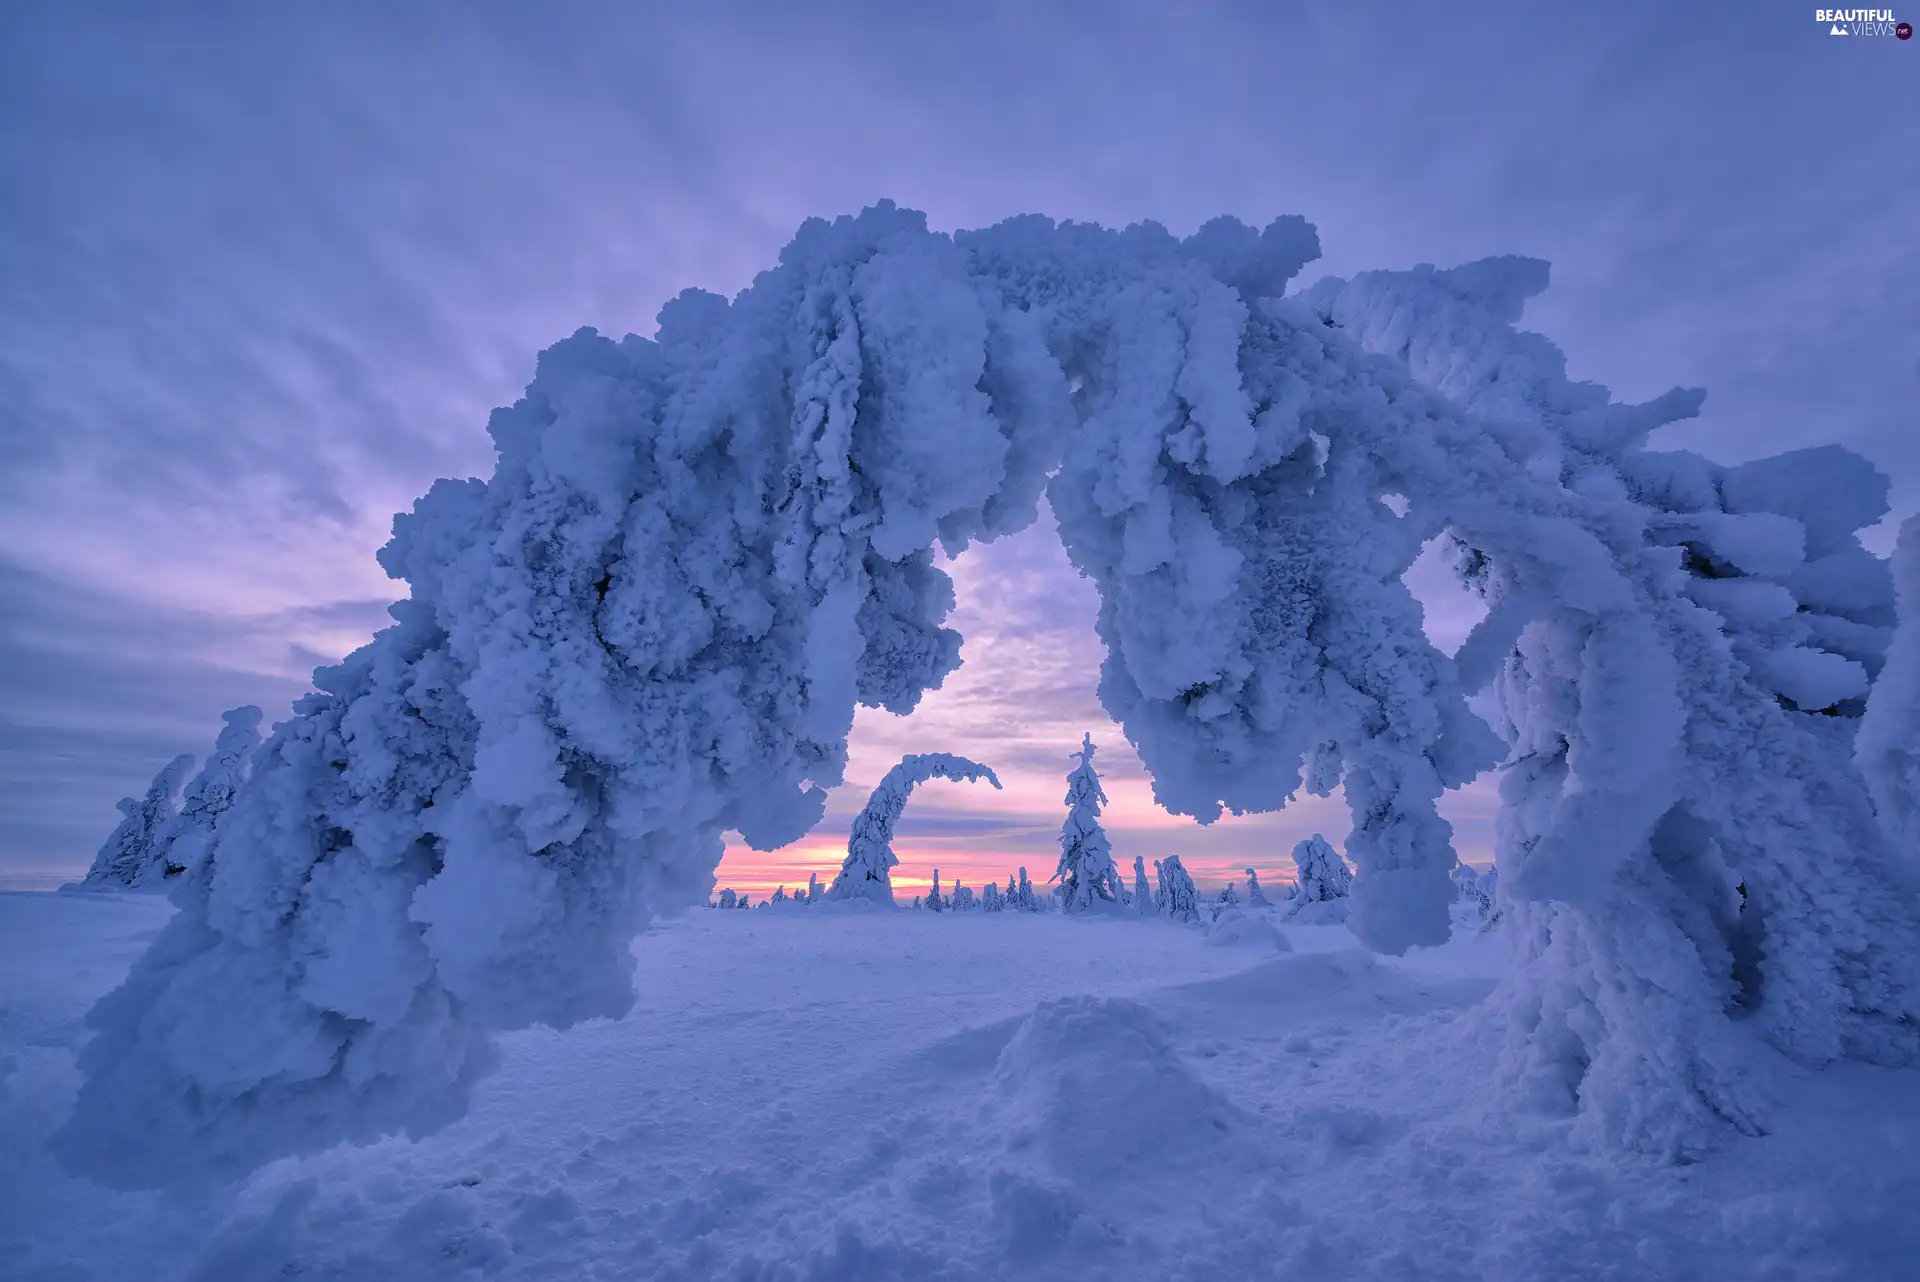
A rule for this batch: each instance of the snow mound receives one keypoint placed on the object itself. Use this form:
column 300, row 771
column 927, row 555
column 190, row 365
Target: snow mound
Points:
column 1319, row 912
column 1097, row 1087
column 1243, row 928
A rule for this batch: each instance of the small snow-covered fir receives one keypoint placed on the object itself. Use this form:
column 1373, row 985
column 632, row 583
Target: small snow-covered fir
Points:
column 1086, row 874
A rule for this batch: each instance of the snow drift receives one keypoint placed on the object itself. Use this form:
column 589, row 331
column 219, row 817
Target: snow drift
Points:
column 699, row 551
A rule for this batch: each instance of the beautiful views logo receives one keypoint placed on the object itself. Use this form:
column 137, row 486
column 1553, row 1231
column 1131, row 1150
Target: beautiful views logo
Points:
column 1862, row 22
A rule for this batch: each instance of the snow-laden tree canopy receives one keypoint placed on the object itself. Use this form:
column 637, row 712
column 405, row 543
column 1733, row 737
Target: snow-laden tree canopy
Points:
column 699, row 551
column 867, row 871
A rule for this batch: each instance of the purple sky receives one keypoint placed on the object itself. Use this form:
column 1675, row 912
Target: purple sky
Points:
column 263, row 273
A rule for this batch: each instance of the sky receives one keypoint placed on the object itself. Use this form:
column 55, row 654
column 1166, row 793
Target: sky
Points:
column 264, row 269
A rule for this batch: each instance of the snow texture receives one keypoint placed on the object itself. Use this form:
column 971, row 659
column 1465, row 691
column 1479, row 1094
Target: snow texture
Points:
column 698, row 552
column 134, row 856
column 867, row 872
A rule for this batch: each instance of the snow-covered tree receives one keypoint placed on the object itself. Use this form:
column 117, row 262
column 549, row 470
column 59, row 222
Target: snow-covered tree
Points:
column 933, row 900
column 744, row 901
column 1023, row 895
column 1230, row 896
column 1142, row 893
column 699, row 552
column 779, row 895
column 1255, row 895
column 728, row 899
column 134, row 856
column 991, row 900
column 1480, row 891
column 1177, row 897
column 813, row 888
column 1466, row 883
column 183, row 845
column 1321, row 873
column 1086, row 871
column 1674, row 652
column 867, row 872
column 962, row 900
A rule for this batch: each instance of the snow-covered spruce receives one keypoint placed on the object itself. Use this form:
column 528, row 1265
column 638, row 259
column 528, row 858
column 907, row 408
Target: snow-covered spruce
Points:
column 991, row 900
column 1086, row 873
column 134, row 856
column 1256, row 897
column 963, row 898
column 867, row 872
column 189, row 835
column 1142, row 892
column 698, row 552
column 1176, row 897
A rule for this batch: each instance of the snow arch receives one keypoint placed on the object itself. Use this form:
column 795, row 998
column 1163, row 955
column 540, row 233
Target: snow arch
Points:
column 699, row 551
column 866, row 873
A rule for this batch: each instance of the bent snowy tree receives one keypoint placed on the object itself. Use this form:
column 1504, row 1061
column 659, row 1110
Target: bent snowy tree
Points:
column 867, row 872
column 699, row 551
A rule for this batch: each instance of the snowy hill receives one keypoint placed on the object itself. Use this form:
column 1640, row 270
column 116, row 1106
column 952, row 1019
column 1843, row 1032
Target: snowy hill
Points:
column 899, row 1095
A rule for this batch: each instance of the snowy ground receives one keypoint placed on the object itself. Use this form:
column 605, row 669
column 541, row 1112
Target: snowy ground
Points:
column 807, row 1094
